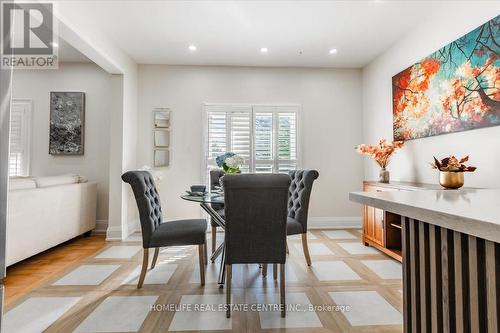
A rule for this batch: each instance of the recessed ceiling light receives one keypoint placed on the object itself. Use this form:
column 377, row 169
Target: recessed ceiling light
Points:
column 332, row 51
column 192, row 47
column 263, row 50
column 54, row 44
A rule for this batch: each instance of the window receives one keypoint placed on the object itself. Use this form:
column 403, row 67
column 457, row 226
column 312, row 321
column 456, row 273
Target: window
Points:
column 265, row 136
column 20, row 130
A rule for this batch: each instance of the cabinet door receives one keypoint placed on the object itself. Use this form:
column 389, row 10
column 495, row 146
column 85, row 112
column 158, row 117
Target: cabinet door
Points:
column 373, row 219
column 369, row 219
column 378, row 228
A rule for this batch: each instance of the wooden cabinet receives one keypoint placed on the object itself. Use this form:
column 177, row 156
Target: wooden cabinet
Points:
column 374, row 225
column 382, row 229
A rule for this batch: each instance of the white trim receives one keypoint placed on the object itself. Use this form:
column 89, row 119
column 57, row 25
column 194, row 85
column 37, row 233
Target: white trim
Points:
column 114, row 233
column 101, row 226
column 334, row 222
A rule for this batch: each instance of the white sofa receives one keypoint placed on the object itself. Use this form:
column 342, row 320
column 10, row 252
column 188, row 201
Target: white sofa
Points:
column 47, row 211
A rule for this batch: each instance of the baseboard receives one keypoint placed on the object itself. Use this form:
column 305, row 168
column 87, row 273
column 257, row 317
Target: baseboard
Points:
column 132, row 227
column 334, row 222
column 114, row 233
column 101, row 226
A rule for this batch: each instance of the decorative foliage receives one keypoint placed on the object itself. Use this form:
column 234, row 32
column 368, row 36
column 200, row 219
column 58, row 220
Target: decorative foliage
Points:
column 452, row 164
column 229, row 162
column 454, row 89
column 380, row 152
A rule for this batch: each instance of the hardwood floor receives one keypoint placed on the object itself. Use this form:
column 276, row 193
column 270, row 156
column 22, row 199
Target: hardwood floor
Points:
column 33, row 272
column 89, row 285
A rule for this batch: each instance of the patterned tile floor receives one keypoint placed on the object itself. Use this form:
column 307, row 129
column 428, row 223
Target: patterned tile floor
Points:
column 349, row 288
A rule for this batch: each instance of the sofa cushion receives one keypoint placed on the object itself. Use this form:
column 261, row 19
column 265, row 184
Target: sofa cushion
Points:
column 21, row 183
column 56, row 180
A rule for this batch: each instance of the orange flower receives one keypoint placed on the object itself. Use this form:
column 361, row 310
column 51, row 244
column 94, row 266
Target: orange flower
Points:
column 380, row 152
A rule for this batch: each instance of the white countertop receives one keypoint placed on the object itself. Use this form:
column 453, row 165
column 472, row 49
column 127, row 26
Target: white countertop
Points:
column 472, row 211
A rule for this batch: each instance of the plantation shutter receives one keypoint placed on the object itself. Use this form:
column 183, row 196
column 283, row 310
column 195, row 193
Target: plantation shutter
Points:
column 229, row 130
column 266, row 137
column 287, row 139
column 241, row 136
column 19, row 145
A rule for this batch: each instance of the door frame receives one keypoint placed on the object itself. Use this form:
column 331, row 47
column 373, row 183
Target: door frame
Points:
column 5, row 107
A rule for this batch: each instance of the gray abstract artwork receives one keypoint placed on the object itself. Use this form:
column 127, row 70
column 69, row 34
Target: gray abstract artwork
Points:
column 67, row 118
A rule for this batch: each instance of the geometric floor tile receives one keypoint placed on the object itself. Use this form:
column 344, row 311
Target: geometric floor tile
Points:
column 290, row 275
column 299, row 236
column 211, row 273
column 158, row 275
column 333, row 271
column 337, row 255
column 339, row 234
column 118, row 314
column 367, row 308
column 358, row 248
column 175, row 249
column 87, row 275
column 189, row 320
column 317, row 249
column 294, row 319
column 36, row 314
column 135, row 237
column 385, row 269
column 119, row 252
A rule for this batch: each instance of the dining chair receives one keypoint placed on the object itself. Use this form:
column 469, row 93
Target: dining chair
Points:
column 298, row 205
column 215, row 176
column 256, row 215
column 155, row 232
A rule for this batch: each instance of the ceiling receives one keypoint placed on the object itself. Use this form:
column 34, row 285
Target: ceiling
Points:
column 296, row 33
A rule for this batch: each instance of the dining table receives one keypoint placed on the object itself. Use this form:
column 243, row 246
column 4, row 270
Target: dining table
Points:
column 206, row 200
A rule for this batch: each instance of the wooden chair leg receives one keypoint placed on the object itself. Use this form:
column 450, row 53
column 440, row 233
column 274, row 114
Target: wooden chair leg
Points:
column 264, row 270
column 205, row 253
column 275, row 271
column 214, row 239
column 202, row 264
column 306, row 249
column 229, row 275
column 282, row 290
column 145, row 260
column 155, row 257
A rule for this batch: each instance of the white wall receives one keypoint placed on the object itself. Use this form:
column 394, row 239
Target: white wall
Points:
column 96, row 83
column 412, row 163
column 75, row 27
column 331, row 125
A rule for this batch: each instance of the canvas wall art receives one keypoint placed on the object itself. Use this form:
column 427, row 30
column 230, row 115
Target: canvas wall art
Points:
column 454, row 89
column 67, row 119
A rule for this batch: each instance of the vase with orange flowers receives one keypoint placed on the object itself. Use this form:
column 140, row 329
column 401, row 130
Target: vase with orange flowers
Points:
column 381, row 153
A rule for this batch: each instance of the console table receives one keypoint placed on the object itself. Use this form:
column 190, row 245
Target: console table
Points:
column 450, row 249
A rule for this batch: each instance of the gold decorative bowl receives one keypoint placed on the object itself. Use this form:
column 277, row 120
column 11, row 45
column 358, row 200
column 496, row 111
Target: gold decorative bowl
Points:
column 451, row 180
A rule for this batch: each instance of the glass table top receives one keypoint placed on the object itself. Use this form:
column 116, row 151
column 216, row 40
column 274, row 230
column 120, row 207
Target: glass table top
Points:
column 209, row 197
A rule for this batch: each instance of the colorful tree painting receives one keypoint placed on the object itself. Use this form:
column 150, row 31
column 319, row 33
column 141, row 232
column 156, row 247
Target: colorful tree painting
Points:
column 456, row 88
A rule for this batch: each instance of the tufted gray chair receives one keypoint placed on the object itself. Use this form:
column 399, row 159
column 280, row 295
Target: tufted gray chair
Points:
column 215, row 175
column 298, row 205
column 256, row 213
column 155, row 232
